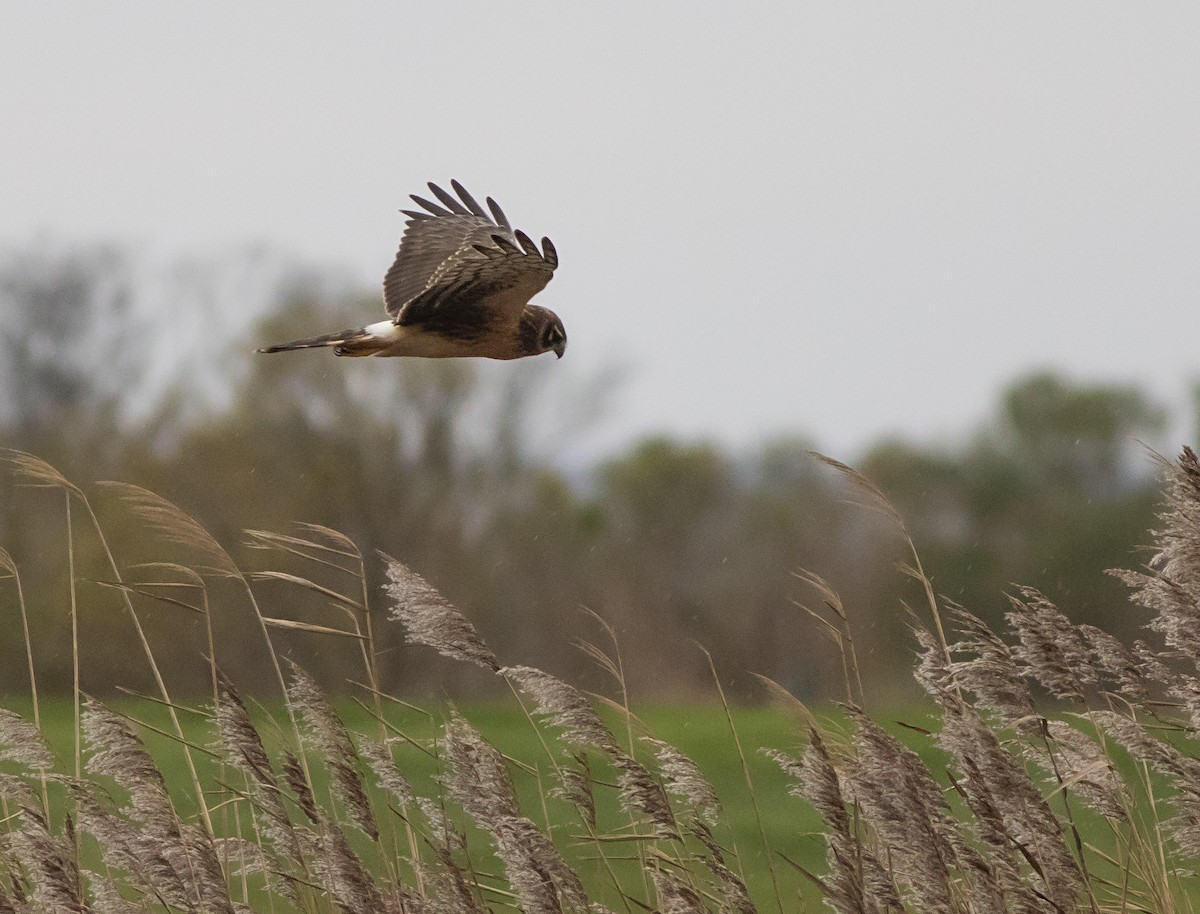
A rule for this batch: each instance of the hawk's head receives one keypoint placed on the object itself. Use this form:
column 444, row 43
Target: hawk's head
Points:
column 542, row 331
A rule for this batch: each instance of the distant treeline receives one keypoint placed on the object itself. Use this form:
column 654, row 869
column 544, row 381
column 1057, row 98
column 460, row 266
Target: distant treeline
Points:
column 676, row 544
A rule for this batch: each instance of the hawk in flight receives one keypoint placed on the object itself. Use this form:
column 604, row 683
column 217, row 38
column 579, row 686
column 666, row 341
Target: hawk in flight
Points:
column 460, row 286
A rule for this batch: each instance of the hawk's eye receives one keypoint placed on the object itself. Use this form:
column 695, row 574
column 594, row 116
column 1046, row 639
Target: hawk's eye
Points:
column 551, row 337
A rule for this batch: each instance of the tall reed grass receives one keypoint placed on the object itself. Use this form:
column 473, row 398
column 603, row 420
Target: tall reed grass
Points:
column 1063, row 776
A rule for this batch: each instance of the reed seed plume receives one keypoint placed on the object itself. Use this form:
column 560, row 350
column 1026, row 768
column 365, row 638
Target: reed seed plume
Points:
column 16, row 790
column 542, row 880
column 450, row 887
column 1080, row 764
column 331, row 739
column 575, row 787
column 23, row 743
column 175, row 861
column 992, row 673
column 641, row 793
column 933, row 671
column 379, row 757
column 447, row 891
column 1120, row 668
column 351, row 887
column 872, row 497
column 1171, row 588
column 107, row 898
column 674, row 896
column 900, row 800
column 129, row 848
column 1181, row 771
column 241, row 746
column 1011, row 813
column 238, row 739
column 293, row 776
column 432, row 620
column 1153, row 664
column 49, row 861
column 476, row 777
column 33, row 471
column 1176, row 612
column 735, row 896
column 174, row 525
column 1178, row 539
column 565, row 707
column 245, row 857
column 856, row 882
column 683, row 778
column 1177, row 619
column 119, row 753
column 1052, row 649
column 198, row 860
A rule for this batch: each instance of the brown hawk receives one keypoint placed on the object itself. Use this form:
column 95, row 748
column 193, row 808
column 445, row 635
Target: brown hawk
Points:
column 460, row 286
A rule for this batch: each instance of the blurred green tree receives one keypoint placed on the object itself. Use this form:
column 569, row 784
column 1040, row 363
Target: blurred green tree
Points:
column 448, row 467
column 70, row 351
column 1053, row 491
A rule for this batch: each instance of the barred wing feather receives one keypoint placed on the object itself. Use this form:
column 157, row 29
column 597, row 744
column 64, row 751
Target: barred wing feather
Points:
column 457, row 257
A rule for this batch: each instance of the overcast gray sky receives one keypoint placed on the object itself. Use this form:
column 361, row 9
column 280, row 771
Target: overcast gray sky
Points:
column 844, row 219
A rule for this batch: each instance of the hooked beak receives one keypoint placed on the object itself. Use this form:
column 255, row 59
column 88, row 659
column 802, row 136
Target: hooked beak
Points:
column 560, row 349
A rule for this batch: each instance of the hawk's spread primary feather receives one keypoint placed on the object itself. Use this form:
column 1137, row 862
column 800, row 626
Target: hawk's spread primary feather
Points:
column 460, row 286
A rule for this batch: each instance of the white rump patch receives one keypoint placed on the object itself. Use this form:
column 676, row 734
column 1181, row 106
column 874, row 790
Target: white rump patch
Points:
column 388, row 331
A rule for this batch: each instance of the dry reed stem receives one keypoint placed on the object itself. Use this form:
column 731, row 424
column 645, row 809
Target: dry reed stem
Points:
column 342, row 547
column 762, row 831
column 840, row 633
column 612, row 663
column 76, row 691
column 177, row 526
column 875, row 500
column 153, row 665
column 31, row 470
column 10, row 566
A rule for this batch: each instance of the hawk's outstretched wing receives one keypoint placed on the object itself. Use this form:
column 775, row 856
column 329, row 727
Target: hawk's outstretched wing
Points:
column 458, row 264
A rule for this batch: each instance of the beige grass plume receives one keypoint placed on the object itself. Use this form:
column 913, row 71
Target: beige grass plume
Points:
column 477, row 779
column 432, row 620
column 174, row 525
column 331, row 739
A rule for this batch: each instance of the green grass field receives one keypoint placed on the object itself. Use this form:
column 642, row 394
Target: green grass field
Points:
column 791, row 827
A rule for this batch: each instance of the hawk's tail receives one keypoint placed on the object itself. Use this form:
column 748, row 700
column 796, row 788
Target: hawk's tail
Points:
column 359, row 341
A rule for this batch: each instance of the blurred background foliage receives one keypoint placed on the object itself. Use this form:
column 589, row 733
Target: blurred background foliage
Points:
column 458, row 469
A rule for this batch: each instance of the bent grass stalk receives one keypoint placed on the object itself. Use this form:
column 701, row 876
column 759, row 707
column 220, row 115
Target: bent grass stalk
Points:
column 758, row 819
column 9, row 566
